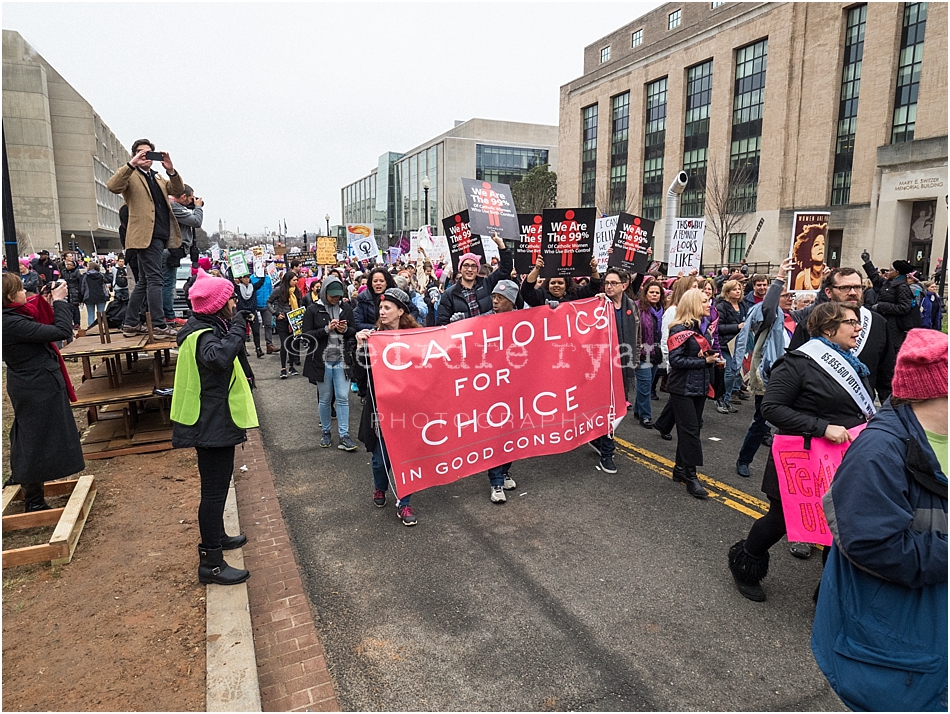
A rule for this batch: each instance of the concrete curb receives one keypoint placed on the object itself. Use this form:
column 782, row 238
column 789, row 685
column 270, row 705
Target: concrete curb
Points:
column 232, row 683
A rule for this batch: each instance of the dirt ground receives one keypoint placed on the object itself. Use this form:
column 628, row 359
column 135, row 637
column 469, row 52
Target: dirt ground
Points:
column 121, row 627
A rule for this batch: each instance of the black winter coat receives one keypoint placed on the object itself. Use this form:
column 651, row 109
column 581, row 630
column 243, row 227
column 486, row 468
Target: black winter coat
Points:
column 73, row 280
column 315, row 321
column 214, row 354
column 895, row 301
column 802, row 399
column 94, row 290
column 688, row 374
column 363, row 375
column 535, row 297
column 366, row 310
column 44, row 440
column 729, row 321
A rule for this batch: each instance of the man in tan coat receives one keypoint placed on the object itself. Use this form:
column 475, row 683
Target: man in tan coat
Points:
column 152, row 228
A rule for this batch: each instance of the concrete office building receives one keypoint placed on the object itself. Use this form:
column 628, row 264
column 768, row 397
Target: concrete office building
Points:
column 392, row 197
column 835, row 107
column 60, row 154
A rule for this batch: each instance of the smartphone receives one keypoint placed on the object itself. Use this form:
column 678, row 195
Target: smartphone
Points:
column 155, row 155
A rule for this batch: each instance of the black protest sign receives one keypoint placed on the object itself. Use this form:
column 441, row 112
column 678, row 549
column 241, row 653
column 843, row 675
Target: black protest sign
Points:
column 632, row 238
column 460, row 238
column 491, row 209
column 567, row 242
column 529, row 243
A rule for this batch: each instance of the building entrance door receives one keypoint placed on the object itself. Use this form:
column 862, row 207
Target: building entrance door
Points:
column 833, row 254
column 920, row 258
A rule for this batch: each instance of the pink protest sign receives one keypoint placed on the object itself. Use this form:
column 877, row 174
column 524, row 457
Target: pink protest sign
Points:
column 803, row 478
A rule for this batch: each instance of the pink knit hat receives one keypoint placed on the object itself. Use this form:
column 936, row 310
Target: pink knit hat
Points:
column 470, row 256
column 209, row 294
column 921, row 369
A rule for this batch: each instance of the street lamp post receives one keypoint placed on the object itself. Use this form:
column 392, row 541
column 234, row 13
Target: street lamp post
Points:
column 425, row 190
column 327, row 217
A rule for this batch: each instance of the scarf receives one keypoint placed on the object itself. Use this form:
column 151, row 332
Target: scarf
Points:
column 246, row 291
column 856, row 364
column 292, row 298
column 36, row 308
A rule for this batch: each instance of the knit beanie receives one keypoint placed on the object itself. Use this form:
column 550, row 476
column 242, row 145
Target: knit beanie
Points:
column 209, row 294
column 470, row 256
column 921, row 369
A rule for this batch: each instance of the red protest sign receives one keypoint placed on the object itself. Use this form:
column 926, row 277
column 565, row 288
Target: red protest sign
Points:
column 456, row 400
column 804, row 476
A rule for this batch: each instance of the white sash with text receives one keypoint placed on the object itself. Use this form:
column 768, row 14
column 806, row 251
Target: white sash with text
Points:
column 865, row 331
column 838, row 367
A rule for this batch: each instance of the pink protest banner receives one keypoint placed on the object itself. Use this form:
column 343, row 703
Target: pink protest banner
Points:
column 804, row 476
column 457, row 400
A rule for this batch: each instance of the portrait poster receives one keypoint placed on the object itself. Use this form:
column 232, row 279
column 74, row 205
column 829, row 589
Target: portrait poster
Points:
column 809, row 239
column 567, row 241
column 529, row 242
column 632, row 239
column 686, row 246
column 491, row 209
column 604, row 229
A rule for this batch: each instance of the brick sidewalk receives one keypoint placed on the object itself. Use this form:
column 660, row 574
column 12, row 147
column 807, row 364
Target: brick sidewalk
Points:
column 290, row 659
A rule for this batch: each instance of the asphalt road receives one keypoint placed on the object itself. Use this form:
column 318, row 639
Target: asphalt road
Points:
column 585, row 591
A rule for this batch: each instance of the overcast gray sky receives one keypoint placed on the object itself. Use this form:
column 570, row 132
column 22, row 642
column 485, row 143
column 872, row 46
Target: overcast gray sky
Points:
column 269, row 109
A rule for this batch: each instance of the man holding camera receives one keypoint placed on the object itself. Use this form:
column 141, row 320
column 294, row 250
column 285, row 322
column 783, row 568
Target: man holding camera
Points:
column 151, row 230
column 188, row 210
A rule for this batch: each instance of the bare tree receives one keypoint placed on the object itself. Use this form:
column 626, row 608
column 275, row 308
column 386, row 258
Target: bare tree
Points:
column 603, row 202
column 724, row 214
column 536, row 190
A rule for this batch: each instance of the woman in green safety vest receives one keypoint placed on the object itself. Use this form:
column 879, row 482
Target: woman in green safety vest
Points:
column 212, row 407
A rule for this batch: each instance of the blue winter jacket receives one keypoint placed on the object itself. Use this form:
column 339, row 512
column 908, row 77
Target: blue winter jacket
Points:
column 264, row 288
column 880, row 629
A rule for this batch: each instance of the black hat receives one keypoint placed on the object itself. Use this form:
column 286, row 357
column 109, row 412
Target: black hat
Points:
column 903, row 267
column 397, row 297
column 44, row 252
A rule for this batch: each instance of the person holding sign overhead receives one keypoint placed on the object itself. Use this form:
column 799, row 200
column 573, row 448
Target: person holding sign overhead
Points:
column 471, row 295
column 558, row 289
column 819, row 390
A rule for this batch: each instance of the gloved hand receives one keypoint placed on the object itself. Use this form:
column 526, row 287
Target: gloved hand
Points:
column 552, row 304
column 865, row 256
column 457, row 316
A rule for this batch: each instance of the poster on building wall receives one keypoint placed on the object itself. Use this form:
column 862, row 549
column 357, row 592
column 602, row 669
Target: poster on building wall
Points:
column 567, row 241
column 604, row 230
column 361, row 242
column 632, row 243
column 460, row 238
column 809, row 236
column 491, row 209
column 686, row 246
column 529, row 242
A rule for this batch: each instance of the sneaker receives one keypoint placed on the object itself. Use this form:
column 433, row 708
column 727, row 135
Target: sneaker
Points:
column 353, row 388
column 722, row 407
column 133, row 330
column 164, row 332
column 178, row 321
column 510, row 484
column 742, row 469
column 591, row 445
column 346, row 444
column 498, row 494
column 292, row 372
column 283, row 374
column 325, row 440
column 607, row 465
column 406, row 515
column 379, row 498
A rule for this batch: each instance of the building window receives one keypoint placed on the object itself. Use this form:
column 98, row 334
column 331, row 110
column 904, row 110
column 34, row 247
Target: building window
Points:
column 736, row 247
column 654, row 147
column 675, row 18
column 506, row 164
column 636, row 39
column 696, row 138
column 848, row 105
column 748, row 102
column 589, row 155
column 908, row 72
column 605, row 54
column 619, row 140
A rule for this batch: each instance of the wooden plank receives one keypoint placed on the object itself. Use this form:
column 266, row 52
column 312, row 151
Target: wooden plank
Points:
column 19, row 521
column 147, row 437
column 10, row 494
column 58, row 488
column 136, row 387
column 33, row 554
column 89, row 450
column 90, row 346
column 141, row 449
column 74, row 518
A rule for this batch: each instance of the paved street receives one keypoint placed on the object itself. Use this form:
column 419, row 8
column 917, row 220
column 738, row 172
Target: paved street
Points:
column 586, row 591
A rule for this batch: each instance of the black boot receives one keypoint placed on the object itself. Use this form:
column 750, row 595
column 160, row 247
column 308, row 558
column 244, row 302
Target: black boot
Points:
column 748, row 570
column 693, row 486
column 33, row 498
column 679, row 474
column 233, row 542
column 213, row 569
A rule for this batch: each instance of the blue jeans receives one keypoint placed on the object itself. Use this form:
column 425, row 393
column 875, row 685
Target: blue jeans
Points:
column 753, row 438
column 645, row 373
column 496, row 474
column 334, row 383
column 168, row 292
column 381, row 469
column 733, row 378
column 91, row 310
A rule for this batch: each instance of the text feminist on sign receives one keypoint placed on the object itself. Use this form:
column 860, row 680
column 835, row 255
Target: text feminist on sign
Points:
column 457, row 400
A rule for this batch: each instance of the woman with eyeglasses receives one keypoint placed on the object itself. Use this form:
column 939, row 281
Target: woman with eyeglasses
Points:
column 805, row 398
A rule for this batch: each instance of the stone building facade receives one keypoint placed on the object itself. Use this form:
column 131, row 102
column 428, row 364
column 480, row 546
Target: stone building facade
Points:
column 823, row 106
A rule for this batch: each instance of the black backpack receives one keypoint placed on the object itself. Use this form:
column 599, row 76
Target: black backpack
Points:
column 121, row 278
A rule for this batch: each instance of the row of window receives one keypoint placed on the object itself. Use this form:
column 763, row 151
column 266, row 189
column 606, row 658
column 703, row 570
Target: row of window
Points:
column 746, row 140
column 673, row 20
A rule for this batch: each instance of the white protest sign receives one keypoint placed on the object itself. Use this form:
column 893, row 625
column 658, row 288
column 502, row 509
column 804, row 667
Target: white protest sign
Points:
column 686, row 246
column 604, row 229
